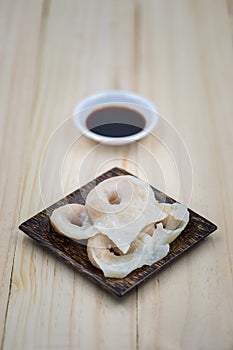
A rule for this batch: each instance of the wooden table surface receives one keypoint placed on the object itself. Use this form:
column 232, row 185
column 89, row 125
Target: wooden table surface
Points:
column 177, row 53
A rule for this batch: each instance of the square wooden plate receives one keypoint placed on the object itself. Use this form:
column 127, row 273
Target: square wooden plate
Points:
column 38, row 227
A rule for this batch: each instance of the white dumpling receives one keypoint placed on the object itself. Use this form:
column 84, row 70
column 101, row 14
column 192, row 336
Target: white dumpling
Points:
column 175, row 222
column 145, row 250
column 120, row 207
column 73, row 221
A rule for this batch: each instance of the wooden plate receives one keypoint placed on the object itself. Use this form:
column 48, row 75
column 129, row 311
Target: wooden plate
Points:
column 38, row 227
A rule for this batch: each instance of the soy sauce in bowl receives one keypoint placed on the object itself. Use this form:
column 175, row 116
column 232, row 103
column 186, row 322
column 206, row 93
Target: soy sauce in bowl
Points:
column 115, row 121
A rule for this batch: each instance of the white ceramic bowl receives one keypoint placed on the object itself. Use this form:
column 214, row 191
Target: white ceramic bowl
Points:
column 115, row 98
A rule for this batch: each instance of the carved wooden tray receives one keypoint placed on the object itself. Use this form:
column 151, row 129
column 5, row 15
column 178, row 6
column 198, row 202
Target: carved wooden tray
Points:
column 38, row 227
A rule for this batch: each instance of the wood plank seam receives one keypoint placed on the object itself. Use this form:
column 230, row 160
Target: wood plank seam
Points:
column 8, row 300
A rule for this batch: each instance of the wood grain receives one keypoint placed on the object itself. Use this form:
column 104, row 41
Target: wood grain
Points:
column 17, row 71
column 179, row 54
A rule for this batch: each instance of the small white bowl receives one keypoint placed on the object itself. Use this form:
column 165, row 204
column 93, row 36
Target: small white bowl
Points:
column 120, row 99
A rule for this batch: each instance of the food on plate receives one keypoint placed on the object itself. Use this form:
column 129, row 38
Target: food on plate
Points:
column 126, row 227
column 145, row 250
column 175, row 222
column 120, row 207
column 72, row 220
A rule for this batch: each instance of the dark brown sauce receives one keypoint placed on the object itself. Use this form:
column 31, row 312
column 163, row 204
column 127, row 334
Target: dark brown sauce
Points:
column 115, row 121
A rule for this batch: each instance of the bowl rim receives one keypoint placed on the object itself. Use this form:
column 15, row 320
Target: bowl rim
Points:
column 91, row 101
